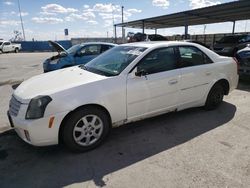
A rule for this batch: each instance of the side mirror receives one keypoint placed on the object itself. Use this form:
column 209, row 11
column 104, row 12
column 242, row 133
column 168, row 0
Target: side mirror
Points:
column 141, row 73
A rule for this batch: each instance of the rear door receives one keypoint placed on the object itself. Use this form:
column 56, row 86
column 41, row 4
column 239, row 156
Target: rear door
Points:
column 197, row 72
column 157, row 91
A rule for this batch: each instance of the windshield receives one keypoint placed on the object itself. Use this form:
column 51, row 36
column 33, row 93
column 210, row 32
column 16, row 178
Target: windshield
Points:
column 114, row 61
column 231, row 39
column 73, row 49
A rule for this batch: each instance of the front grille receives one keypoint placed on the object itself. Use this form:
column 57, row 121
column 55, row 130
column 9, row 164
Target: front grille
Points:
column 14, row 106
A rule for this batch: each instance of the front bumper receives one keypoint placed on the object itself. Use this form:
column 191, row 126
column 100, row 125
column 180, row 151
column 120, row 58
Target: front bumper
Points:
column 37, row 132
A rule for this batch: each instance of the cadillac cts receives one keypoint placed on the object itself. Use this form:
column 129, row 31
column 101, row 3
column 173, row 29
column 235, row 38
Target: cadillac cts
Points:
column 79, row 105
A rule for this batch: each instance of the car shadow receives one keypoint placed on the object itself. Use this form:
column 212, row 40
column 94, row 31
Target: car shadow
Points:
column 27, row 166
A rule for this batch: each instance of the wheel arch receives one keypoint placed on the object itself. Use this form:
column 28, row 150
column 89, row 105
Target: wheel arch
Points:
column 63, row 123
column 225, row 85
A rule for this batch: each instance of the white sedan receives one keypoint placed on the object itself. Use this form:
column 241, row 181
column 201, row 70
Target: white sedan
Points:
column 78, row 106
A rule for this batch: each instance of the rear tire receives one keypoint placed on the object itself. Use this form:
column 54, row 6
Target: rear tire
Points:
column 85, row 129
column 16, row 50
column 215, row 97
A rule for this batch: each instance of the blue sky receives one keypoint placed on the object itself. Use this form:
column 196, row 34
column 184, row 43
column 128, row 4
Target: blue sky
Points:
column 47, row 19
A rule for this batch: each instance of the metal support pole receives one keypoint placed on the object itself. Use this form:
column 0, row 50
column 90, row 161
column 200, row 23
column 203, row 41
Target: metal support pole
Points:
column 115, row 35
column 123, row 33
column 186, row 31
column 143, row 26
column 21, row 19
column 233, row 27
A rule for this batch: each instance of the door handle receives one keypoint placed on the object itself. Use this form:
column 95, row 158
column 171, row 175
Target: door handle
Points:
column 208, row 73
column 174, row 81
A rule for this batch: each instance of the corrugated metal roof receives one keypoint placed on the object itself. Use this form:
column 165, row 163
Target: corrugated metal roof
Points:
column 233, row 11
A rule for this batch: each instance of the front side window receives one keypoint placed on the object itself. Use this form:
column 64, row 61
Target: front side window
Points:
column 192, row 56
column 7, row 43
column 158, row 61
column 114, row 61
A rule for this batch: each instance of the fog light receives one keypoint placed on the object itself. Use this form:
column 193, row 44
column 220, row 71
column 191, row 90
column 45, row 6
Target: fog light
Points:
column 27, row 135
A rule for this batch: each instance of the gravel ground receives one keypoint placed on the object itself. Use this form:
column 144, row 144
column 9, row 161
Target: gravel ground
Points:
column 191, row 148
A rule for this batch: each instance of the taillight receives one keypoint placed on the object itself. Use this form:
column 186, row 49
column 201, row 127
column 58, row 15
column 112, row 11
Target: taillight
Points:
column 237, row 62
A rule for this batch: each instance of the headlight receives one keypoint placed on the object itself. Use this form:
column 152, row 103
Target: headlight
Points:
column 53, row 62
column 37, row 107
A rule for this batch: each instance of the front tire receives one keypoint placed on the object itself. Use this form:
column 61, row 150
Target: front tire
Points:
column 16, row 50
column 215, row 97
column 85, row 129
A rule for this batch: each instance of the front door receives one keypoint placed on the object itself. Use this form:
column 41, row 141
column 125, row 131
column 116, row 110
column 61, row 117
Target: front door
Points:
column 156, row 90
column 6, row 47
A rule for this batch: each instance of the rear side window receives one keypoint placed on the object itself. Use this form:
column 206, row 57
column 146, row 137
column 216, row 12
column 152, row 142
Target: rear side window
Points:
column 105, row 48
column 158, row 60
column 192, row 56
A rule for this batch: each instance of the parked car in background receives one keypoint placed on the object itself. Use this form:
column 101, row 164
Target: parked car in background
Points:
column 7, row 46
column 229, row 45
column 197, row 42
column 243, row 57
column 79, row 105
column 76, row 55
column 138, row 37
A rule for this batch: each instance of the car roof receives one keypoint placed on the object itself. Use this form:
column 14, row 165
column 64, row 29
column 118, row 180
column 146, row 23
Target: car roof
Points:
column 237, row 35
column 102, row 43
column 152, row 44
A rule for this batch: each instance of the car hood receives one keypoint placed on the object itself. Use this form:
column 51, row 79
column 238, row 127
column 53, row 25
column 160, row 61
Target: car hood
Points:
column 57, row 47
column 53, row 82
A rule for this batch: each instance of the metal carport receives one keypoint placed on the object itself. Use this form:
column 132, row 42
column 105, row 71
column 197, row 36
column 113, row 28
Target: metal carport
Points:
column 227, row 12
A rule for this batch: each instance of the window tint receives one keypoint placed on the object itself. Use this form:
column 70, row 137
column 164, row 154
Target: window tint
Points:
column 7, row 43
column 158, row 61
column 91, row 50
column 105, row 48
column 191, row 56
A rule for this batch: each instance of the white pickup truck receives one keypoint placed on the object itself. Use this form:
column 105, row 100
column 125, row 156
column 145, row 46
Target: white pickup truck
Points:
column 6, row 46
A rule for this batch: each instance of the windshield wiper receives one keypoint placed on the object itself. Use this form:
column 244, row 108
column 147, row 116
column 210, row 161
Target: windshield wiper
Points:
column 83, row 67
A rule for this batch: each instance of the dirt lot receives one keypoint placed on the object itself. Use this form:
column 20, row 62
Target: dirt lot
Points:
column 192, row 148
